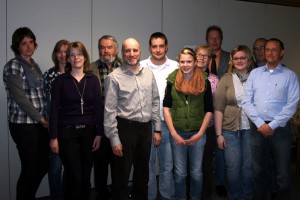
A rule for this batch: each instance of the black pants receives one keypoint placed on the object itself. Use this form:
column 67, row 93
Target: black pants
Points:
column 103, row 157
column 136, row 141
column 33, row 147
column 75, row 150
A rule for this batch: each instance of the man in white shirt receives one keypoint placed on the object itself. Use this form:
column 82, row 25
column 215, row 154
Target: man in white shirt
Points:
column 161, row 67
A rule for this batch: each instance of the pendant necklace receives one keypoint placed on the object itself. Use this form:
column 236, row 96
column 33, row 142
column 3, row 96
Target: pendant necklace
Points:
column 81, row 95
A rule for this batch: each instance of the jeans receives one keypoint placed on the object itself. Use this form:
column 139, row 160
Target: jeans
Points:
column 33, row 147
column 181, row 154
column 135, row 138
column 103, row 157
column 55, row 177
column 280, row 145
column 220, row 167
column 238, row 163
column 75, row 150
column 166, row 182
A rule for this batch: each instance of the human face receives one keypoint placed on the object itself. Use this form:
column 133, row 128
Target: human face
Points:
column 259, row 50
column 107, row 50
column 26, row 47
column 61, row 55
column 240, row 61
column 76, row 58
column 273, row 54
column 158, row 49
column 187, row 64
column 131, row 52
column 214, row 40
column 202, row 59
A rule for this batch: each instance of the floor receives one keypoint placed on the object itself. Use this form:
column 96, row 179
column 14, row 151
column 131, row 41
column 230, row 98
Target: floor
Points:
column 295, row 187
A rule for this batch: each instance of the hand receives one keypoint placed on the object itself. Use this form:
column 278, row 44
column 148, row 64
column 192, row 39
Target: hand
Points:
column 118, row 150
column 221, row 142
column 156, row 139
column 265, row 130
column 44, row 122
column 54, row 145
column 179, row 141
column 193, row 140
column 96, row 143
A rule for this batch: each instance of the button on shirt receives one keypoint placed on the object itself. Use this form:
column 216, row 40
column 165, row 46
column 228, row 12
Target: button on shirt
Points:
column 130, row 96
column 271, row 96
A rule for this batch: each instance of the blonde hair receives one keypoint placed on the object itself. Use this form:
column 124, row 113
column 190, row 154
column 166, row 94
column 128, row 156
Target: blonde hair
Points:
column 248, row 53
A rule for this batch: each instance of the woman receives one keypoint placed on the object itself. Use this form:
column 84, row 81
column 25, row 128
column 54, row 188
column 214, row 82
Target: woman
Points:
column 232, row 125
column 59, row 58
column 187, row 111
column 76, row 121
column 26, row 112
column 203, row 54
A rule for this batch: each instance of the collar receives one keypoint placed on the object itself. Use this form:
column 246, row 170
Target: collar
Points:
column 127, row 70
column 278, row 68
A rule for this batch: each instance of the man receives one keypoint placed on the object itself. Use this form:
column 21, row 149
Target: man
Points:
column 103, row 157
column 26, row 103
column 214, row 39
column 270, row 100
column 161, row 66
column 259, row 51
column 132, row 108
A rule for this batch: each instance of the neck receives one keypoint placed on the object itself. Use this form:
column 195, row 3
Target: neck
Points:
column 62, row 68
column 134, row 69
column 158, row 62
column 242, row 72
column 27, row 58
column 261, row 63
column 272, row 66
column 187, row 77
column 216, row 52
column 78, row 74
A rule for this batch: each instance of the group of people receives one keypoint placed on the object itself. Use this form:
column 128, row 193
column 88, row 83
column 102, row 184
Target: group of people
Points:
column 124, row 113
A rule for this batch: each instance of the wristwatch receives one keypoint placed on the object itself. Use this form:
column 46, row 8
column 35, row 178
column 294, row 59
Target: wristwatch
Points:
column 219, row 135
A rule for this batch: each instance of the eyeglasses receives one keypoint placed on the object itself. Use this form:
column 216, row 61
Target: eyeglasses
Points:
column 240, row 58
column 258, row 48
column 199, row 55
column 76, row 54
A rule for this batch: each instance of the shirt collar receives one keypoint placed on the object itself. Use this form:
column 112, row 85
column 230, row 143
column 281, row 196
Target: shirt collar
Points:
column 127, row 70
column 279, row 68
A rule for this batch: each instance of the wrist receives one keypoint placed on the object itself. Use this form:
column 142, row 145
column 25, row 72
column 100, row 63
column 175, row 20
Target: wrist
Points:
column 218, row 135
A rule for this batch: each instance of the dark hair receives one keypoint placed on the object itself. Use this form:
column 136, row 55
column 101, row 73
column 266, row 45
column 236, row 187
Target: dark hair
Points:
column 56, row 49
column 158, row 35
column 281, row 45
column 19, row 35
column 214, row 28
column 108, row 37
column 80, row 47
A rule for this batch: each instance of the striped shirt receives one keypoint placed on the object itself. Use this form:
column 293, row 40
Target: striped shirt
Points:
column 130, row 96
column 25, row 105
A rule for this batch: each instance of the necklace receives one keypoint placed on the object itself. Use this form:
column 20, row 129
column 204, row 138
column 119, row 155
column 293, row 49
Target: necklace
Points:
column 81, row 95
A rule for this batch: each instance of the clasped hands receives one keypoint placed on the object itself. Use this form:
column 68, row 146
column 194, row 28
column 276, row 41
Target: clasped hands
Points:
column 265, row 130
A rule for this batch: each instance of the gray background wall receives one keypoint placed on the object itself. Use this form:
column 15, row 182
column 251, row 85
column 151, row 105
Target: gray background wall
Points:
column 184, row 23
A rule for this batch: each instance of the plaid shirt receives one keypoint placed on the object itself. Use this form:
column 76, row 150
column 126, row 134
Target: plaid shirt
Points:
column 35, row 96
column 101, row 70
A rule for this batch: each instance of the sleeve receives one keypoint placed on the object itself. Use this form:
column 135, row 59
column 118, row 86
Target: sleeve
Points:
column 15, row 87
column 110, row 111
column 220, row 94
column 208, row 98
column 156, row 119
column 167, row 102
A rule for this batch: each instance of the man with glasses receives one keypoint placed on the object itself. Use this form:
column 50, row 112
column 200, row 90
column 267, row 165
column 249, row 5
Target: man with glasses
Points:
column 259, row 51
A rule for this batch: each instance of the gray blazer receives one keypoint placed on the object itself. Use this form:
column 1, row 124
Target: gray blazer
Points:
column 223, row 63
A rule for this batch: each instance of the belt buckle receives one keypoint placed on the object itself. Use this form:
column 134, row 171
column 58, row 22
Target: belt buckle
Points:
column 80, row 126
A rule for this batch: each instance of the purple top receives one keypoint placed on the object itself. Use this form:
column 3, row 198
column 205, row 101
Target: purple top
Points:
column 66, row 105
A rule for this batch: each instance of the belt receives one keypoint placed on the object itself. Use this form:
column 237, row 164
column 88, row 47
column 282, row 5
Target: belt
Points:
column 130, row 121
column 77, row 126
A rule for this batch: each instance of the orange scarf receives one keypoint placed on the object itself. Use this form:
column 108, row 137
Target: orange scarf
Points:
column 194, row 86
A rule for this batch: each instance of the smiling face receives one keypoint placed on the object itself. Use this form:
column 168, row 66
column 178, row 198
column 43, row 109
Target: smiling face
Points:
column 202, row 59
column 187, row 64
column 259, row 50
column 240, row 61
column 26, row 47
column 273, row 53
column 131, row 52
column 76, row 58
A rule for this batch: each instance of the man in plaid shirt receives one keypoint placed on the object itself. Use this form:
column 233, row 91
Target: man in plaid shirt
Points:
column 108, row 61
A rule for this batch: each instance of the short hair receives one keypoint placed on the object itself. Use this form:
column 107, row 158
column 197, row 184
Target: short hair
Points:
column 205, row 47
column 158, row 35
column 214, row 28
column 108, row 37
column 187, row 51
column 80, row 47
column 19, row 35
column 56, row 49
column 281, row 45
column 248, row 53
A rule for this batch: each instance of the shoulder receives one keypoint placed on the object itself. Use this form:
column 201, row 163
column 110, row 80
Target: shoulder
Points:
column 172, row 63
column 172, row 76
column 145, row 62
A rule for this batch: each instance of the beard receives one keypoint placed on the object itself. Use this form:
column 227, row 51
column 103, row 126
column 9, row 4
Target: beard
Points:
column 107, row 61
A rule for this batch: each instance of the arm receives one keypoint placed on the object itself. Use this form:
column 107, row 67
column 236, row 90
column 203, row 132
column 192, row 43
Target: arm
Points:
column 156, row 119
column 110, row 114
